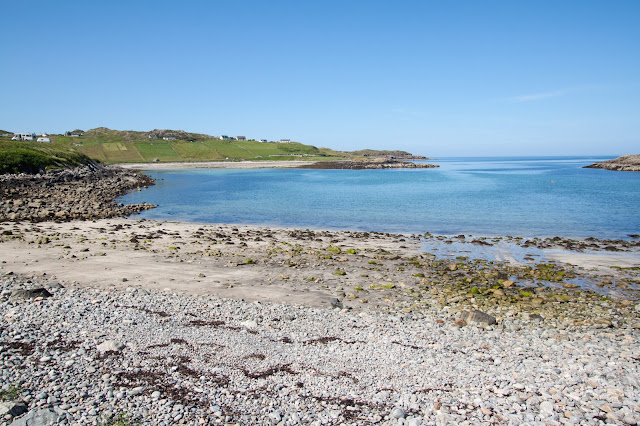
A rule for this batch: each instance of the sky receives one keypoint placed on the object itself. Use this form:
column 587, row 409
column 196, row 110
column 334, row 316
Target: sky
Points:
column 437, row 78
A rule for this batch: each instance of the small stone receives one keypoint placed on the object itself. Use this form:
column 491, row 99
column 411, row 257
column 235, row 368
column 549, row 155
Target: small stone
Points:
column 546, row 408
column 110, row 345
column 336, row 303
column 397, row 413
column 478, row 317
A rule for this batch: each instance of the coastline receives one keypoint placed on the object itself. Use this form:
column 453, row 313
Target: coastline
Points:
column 174, row 322
column 216, row 165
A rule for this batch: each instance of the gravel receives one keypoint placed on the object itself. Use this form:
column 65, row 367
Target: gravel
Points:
column 85, row 356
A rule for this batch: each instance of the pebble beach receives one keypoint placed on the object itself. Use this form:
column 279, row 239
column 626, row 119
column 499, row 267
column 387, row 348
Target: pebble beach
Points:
column 106, row 319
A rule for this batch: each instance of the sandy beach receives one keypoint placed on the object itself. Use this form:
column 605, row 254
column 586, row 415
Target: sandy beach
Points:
column 216, row 165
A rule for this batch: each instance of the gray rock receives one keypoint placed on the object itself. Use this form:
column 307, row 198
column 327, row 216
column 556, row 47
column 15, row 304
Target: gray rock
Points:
column 336, row 303
column 44, row 417
column 30, row 294
column 110, row 345
column 398, row 413
column 478, row 317
column 13, row 408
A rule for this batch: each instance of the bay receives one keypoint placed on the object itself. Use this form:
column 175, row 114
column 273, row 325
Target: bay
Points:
column 523, row 196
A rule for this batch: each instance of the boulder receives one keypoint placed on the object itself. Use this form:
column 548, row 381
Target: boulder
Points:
column 30, row 294
column 13, row 408
column 44, row 417
column 478, row 317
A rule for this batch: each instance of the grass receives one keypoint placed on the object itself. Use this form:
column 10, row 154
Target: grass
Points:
column 32, row 157
column 11, row 393
column 115, row 146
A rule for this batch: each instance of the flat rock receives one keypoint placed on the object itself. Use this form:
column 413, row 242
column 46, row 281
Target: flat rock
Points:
column 110, row 345
column 31, row 293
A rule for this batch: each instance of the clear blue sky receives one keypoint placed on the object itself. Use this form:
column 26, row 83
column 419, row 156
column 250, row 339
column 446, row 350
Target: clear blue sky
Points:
column 439, row 78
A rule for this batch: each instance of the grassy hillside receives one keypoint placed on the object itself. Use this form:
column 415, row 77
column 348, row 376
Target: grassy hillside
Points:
column 116, row 146
column 30, row 157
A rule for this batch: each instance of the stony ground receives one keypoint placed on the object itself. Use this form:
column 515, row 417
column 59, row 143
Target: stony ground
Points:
column 121, row 321
column 81, row 356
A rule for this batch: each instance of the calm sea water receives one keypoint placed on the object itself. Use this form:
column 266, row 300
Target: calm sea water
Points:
column 480, row 196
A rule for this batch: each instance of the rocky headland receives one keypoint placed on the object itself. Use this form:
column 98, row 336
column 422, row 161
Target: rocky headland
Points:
column 72, row 193
column 627, row 163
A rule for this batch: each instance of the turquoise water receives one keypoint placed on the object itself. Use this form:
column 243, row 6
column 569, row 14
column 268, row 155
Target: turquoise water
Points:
column 480, row 196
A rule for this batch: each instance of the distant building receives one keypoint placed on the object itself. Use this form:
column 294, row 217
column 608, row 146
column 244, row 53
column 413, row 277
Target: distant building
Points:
column 45, row 140
column 285, row 140
column 242, row 138
column 153, row 136
column 169, row 138
column 224, row 137
column 74, row 134
column 264, row 140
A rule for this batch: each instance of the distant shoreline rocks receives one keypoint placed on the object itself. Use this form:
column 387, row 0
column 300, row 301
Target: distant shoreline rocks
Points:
column 77, row 193
column 626, row 163
column 366, row 165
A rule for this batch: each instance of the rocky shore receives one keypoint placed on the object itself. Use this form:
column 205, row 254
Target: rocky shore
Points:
column 121, row 321
column 627, row 163
column 365, row 165
column 78, row 193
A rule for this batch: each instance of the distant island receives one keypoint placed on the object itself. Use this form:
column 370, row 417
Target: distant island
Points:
column 627, row 163
column 28, row 152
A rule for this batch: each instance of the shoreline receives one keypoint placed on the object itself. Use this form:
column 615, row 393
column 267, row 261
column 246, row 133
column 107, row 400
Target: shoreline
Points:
column 164, row 322
column 216, row 165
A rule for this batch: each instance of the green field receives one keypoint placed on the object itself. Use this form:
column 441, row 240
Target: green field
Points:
column 115, row 146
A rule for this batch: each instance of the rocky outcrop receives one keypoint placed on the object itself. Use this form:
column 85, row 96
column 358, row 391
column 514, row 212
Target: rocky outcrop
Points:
column 365, row 165
column 627, row 163
column 78, row 193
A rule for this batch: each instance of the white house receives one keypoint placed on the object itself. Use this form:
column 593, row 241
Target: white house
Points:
column 285, row 140
column 169, row 138
column 224, row 137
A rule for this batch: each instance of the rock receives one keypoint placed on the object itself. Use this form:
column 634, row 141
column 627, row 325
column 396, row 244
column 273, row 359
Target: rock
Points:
column 460, row 322
column 44, row 417
column 546, row 408
column 397, row 413
column 251, row 324
column 478, row 317
column 30, row 294
column 507, row 283
column 110, row 345
column 336, row 303
column 13, row 408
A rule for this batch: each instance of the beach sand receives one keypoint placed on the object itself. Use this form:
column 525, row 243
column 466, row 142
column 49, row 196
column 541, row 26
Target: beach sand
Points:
column 217, row 165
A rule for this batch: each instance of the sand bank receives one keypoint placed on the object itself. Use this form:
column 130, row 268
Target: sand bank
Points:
column 217, row 165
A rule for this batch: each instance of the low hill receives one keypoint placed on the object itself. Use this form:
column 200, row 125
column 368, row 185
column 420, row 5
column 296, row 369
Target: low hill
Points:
column 129, row 146
column 30, row 157
column 627, row 163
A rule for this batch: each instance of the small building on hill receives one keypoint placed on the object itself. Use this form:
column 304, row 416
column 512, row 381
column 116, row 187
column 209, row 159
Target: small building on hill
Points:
column 169, row 138
column 285, row 140
column 223, row 137
column 43, row 139
column 242, row 138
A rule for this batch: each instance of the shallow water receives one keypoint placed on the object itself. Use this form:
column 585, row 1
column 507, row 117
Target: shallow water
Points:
column 484, row 196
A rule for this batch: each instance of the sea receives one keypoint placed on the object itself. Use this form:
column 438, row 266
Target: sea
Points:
column 488, row 196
